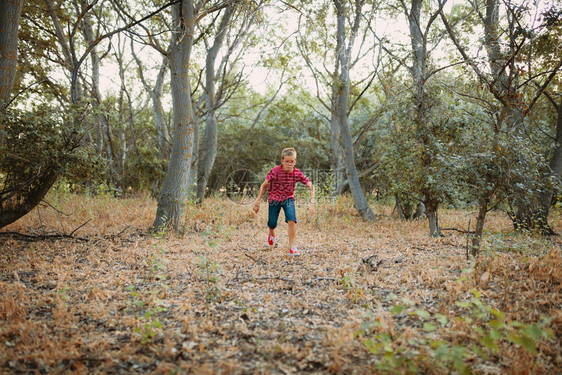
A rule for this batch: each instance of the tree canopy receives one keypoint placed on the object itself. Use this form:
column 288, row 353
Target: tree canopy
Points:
column 426, row 103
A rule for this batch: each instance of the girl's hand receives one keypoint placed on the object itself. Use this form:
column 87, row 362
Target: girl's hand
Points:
column 256, row 207
column 311, row 209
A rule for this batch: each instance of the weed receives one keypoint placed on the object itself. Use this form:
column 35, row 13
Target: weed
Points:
column 210, row 275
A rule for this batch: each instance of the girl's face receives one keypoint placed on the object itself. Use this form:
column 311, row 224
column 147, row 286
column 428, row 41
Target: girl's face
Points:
column 288, row 163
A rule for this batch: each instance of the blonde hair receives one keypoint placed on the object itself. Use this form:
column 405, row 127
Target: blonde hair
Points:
column 288, row 152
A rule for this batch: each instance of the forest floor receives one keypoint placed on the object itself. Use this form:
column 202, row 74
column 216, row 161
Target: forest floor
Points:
column 382, row 297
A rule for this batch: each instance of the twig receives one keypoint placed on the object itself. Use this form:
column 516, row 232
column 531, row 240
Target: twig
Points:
column 467, row 238
column 309, row 270
column 460, row 230
column 275, row 278
column 40, row 221
column 54, row 208
column 120, row 233
column 255, row 260
column 324, row 278
column 75, row 230
column 262, row 279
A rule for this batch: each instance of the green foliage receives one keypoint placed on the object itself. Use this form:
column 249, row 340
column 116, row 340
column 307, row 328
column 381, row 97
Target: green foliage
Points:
column 438, row 345
column 286, row 123
column 38, row 147
column 145, row 169
column 210, row 272
column 149, row 325
column 405, row 143
column 42, row 140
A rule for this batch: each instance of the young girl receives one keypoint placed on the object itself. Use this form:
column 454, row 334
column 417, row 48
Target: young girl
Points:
column 280, row 183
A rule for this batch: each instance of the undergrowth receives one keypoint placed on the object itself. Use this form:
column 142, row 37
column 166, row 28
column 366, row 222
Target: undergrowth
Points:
column 379, row 297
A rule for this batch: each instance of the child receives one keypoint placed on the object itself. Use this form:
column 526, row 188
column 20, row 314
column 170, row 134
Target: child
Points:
column 280, row 183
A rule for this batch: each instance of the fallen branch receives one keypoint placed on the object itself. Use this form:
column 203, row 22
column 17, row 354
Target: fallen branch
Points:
column 309, row 270
column 459, row 230
column 324, row 278
column 41, row 237
column 263, row 279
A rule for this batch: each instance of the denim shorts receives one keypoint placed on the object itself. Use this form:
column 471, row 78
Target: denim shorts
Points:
column 288, row 206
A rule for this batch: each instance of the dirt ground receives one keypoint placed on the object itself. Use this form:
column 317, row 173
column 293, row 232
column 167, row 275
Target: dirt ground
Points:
column 89, row 290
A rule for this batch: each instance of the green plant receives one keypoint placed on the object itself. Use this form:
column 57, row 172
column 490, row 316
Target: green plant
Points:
column 150, row 324
column 150, row 328
column 211, row 275
column 438, row 342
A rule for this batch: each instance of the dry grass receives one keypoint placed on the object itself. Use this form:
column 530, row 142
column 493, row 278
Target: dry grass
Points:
column 214, row 300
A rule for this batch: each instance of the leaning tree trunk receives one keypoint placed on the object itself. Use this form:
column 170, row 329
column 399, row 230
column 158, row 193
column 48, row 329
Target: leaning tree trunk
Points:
column 35, row 191
column 10, row 11
column 208, row 151
column 342, row 107
column 171, row 200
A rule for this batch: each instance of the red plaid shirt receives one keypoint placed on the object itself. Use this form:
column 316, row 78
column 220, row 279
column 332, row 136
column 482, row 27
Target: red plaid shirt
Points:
column 282, row 184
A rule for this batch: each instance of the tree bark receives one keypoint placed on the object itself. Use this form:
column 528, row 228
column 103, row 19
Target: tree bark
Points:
column 208, row 150
column 342, row 108
column 35, row 192
column 171, row 200
column 336, row 150
column 103, row 136
column 10, row 11
column 419, row 72
column 480, row 221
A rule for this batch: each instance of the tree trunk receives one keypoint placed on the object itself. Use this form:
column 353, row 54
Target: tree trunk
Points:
column 35, row 191
column 480, row 220
column 171, row 200
column 419, row 74
column 342, row 108
column 10, row 11
column 208, row 148
column 156, row 98
column 336, row 150
column 103, row 136
column 537, row 218
column 158, row 110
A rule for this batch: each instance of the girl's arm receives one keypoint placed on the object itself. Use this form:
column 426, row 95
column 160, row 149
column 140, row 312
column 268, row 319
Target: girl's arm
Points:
column 260, row 195
column 311, row 203
column 311, row 187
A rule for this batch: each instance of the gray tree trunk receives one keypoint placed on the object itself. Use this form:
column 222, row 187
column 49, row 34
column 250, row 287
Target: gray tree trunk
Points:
column 171, row 200
column 10, row 11
column 420, row 75
column 126, row 115
column 103, row 134
column 70, row 59
column 158, row 110
column 208, row 145
column 336, row 150
column 156, row 98
column 342, row 107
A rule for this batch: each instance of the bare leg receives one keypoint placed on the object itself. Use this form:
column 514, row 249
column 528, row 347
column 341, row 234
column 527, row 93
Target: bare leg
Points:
column 271, row 232
column 292, row 233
